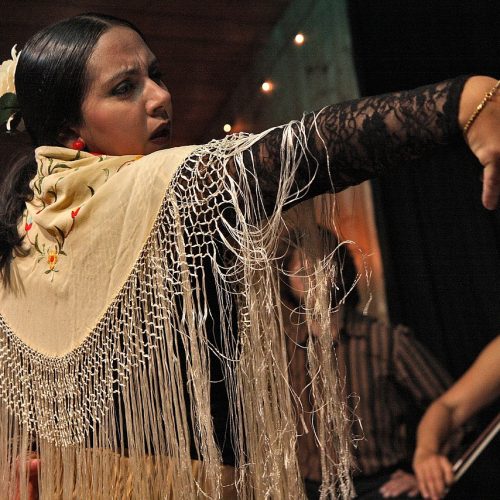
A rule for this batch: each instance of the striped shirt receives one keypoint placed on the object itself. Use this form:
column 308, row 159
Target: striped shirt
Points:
column 390, row 379
column 396, row 378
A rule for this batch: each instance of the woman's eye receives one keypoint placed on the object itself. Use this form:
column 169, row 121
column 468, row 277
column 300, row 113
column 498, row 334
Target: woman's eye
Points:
column 123, row 88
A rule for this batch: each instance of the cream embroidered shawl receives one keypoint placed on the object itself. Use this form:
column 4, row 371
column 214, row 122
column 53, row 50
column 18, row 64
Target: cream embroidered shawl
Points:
column 92, row 313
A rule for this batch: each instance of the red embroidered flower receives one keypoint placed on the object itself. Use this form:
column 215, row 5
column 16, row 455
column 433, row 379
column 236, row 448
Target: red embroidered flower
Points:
column 52, row 259
column 27, row 226
column 74, row 213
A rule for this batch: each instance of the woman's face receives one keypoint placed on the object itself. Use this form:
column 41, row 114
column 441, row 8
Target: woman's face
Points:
column 127, row 108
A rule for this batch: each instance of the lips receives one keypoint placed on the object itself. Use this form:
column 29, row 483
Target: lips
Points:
column 161, row 133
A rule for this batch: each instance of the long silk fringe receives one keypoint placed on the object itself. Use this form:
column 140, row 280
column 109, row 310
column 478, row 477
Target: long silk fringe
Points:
column 63, row 410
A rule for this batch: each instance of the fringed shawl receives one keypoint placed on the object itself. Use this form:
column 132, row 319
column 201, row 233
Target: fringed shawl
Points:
column 110, row 304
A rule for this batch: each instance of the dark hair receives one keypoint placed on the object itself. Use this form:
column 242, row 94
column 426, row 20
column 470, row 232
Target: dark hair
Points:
column 51, row 84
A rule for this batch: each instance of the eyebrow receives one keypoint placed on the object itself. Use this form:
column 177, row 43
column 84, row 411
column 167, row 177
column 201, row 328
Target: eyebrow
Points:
column 131, row 71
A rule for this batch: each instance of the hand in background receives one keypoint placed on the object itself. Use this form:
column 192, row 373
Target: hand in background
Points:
column 434, row 474
column 401, row 482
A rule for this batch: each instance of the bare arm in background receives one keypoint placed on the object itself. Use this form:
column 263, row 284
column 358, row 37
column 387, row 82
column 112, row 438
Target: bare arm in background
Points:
column 478, row 386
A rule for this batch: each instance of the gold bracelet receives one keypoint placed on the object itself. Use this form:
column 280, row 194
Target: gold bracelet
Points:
column 487, row 97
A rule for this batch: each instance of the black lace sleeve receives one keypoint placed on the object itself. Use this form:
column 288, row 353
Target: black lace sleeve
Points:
column 340, row 146
column 360, row 139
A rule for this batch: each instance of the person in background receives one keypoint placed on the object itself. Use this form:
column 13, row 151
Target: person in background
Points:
column 476, row 388
column 389, row 378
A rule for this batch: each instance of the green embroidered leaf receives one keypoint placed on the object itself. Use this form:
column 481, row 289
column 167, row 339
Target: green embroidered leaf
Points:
column 48, row 271
column 77, row 156
column 92, row 191
column 106, row 172
column 36, row 186
column 37, row 248
column 61, row 252
column 62, row 235
column 59, row 166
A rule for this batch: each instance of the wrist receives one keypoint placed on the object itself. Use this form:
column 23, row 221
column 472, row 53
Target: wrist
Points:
column 472, row 94
column 423, row 452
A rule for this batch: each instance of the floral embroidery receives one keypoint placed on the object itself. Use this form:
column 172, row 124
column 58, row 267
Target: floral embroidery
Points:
column 52, row 256
column 47, row 187
column 50, row 195
column 48, row 254
column 28, row 224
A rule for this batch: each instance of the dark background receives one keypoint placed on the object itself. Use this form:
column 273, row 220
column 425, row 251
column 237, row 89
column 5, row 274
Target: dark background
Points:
column 441, row 248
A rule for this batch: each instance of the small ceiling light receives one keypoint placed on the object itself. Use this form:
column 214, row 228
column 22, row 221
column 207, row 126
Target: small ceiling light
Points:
column 227, row 128
column 267, row 86
column 299, row 39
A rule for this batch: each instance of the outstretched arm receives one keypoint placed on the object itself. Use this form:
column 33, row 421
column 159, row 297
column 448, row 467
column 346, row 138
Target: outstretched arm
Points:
column 244, row 179
column 340, row 146
column 478, row 386
column 350, row 142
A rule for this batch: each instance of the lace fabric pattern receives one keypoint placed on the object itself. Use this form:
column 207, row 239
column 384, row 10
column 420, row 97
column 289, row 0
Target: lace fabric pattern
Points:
column 357, row 140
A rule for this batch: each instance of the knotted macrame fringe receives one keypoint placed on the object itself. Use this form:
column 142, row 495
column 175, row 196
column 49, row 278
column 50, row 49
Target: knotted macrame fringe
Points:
column 144, row 370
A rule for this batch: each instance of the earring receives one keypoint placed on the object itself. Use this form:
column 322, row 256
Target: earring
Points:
column 78, row 144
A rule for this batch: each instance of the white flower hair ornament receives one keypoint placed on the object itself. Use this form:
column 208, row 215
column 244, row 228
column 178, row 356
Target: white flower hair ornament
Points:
column 9, row 107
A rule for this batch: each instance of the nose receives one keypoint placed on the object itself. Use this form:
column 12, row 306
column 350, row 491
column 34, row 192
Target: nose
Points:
column 159, row 100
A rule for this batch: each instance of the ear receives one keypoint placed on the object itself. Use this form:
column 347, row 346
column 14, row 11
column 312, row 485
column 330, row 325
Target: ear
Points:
column 67, row 136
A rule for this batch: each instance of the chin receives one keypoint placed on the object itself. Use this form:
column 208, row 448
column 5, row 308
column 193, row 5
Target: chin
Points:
column 152, row 148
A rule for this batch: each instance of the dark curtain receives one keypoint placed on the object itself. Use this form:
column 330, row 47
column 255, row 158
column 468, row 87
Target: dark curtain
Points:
column 441, row 248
